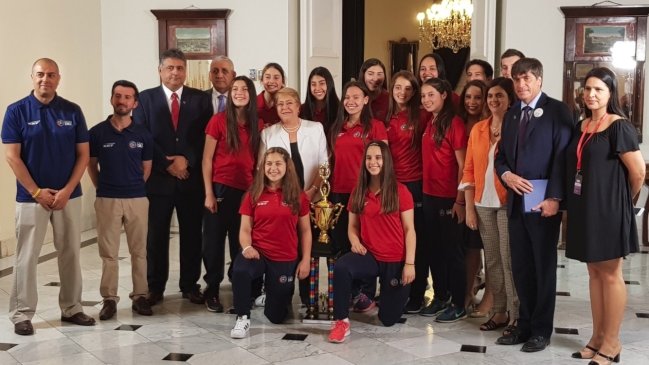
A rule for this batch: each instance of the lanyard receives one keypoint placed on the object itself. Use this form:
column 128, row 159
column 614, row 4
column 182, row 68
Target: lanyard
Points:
column 581, row 144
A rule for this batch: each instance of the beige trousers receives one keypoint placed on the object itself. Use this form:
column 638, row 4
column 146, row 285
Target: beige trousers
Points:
column 31, row 226
column 111, row 213
column 492, row 224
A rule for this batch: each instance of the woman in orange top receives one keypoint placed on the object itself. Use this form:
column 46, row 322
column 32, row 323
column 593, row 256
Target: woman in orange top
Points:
column 486, row 200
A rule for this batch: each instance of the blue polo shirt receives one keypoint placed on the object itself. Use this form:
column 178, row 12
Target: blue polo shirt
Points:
column 120, row 156
column 48, row 135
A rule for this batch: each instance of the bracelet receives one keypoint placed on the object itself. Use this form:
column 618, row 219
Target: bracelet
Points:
column 460, row 203
column 313, row 187
column 36, row 193
column 244, row 250
column 407, row 263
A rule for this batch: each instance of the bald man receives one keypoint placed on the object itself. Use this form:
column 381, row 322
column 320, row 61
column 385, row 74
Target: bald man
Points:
column 46, row 146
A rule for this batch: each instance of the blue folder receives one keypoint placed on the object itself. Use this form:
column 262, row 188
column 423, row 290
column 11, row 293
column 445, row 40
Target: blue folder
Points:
column 535, row 197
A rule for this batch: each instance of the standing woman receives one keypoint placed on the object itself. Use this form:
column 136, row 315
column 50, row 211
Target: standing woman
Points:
column 431, row 65
column 372, row 75
column 406, row 122
column 486, row 206
column 605, row 170
column 353, row 130
column 443, row 149
column 472, row 110
column 321, row 102
column 231, row 144
column 382, row 233
column 273, row 80
column 274, row 213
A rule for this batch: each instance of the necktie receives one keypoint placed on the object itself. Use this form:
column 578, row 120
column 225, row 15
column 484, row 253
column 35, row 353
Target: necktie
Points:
column 221, row 103
column 175, row 110
column 522, row 127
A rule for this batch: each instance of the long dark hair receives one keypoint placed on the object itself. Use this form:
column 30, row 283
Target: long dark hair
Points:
column 389, row 192
column 369, row 63
column 445, row 116
column 462, row 112
column 290, row 184
column 249, row 116
column 439, row 62
column 608, row 77
column 331, row 98
column 413, row 106
column 365, row 119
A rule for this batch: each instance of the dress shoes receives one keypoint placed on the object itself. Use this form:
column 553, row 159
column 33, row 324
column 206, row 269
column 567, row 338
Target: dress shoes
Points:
column 154, row 297
column 80, row 319
column 108, row 310
column 141, row 306
column 24, row 328
column 513, row 338
column 213, row 304
column 194, row 296
column 536, row 343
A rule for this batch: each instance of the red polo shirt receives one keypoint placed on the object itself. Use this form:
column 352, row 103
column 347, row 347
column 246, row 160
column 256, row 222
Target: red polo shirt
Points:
column 406, row 157
column 382, row 234
column 269, row 115
column 349, row 149
column 380, row 105
column 231, row 168
column 274, row 229
column 439, row 163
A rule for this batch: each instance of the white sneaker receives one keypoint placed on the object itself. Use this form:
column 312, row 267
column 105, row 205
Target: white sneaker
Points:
column 260, row 301
column 241, row 328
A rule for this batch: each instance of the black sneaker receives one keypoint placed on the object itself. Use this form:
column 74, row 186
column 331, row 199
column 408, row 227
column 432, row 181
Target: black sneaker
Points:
column 413, row 307
column 213, row 304
column 435, row 307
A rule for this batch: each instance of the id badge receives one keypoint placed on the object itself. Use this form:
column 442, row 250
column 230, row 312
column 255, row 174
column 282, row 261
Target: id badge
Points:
column 578, row 180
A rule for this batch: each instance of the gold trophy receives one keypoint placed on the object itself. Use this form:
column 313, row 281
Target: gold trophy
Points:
column 325, row 214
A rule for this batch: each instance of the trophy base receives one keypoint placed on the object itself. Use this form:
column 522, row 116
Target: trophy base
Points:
column 318, row 317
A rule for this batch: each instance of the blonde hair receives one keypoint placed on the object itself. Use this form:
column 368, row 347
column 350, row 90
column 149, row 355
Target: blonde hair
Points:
column 287, row 91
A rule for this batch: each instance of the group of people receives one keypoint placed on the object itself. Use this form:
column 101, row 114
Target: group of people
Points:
column 428, row 178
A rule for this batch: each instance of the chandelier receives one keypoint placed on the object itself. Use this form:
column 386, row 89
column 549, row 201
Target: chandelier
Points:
column 447, row 24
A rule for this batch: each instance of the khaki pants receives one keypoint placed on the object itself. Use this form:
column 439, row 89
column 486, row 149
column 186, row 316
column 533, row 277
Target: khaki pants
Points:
column 31, row 226
column 111, row 213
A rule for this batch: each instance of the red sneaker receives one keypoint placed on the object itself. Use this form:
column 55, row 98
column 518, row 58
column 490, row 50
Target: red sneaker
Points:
column 339, row 330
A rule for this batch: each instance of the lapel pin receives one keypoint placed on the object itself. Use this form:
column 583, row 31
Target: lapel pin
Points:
column 538, row 112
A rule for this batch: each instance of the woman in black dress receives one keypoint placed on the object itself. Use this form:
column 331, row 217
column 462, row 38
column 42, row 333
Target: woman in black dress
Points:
column 605, row 170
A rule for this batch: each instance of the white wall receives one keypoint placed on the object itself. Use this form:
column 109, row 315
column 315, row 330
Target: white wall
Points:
column 258, row 32
column 68, row 32
column 537, row 29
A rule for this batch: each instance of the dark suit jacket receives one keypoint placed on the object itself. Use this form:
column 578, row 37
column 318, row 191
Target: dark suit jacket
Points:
column 543, row 153
column 188, row 140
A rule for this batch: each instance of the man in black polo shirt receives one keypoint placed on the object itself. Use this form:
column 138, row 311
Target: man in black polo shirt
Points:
column 120, row 163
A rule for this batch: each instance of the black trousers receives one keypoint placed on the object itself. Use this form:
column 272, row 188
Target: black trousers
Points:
column 533, row 241
column 225, row 223
column 189, row 208
column 418, row 287
column 444, row 250
column 280, row 284
column 351, row 267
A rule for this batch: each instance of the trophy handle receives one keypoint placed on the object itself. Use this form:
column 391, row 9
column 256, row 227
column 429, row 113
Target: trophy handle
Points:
column 338, row 208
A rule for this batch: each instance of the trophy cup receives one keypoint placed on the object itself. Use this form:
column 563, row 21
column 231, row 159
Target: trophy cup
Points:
column 324, row 215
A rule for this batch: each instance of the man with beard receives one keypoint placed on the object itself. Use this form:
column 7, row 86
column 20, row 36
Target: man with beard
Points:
column 120, row 163
column 46, row 146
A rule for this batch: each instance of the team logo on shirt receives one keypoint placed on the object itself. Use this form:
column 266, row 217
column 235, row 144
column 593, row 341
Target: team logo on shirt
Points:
column 109, row 145
column 262, row 202
column 34, row 122
column 284, row 204
column 357, row 134
column 285, row 279
column 341, row 134
column 64, row 123
column 134, row 144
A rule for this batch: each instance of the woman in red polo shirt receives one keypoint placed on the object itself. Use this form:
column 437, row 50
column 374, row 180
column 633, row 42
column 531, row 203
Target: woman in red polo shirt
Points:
column 443, row 147
column 321, row 102
column 405, row 125
column 274, row 213
column 382, row 233
column 273, row 80
column 231, row 144
column 372, row 75
column 353, row 130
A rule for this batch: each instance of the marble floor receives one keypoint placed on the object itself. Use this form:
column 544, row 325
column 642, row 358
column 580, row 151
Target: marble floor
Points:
column 181, row 332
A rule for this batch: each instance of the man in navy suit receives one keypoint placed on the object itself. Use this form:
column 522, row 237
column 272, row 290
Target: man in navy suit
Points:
column 535, row 134
column 176, row 116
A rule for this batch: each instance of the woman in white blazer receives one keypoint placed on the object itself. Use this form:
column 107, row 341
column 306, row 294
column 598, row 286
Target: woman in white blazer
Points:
column 305, row 140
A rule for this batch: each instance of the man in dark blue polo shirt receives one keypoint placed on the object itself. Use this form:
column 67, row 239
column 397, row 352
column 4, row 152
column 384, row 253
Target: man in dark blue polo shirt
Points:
column 46, row 146
column 120, row 163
